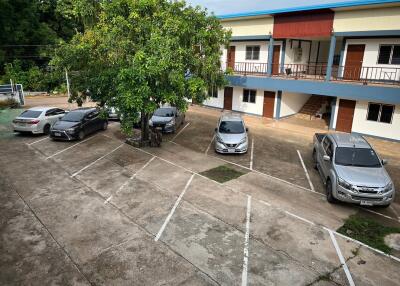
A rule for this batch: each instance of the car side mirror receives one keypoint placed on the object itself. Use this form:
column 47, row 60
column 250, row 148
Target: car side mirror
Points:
column 216, row 129
column 327, row 158
column 384, row 161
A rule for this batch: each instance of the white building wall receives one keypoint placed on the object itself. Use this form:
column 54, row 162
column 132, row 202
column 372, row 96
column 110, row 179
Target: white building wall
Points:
column 290, row 53
column 367, row 19
column 253, row 108
column 250, row 27
column 371, row 54
column 291, row 103
column 217, row 102
column 364, row 126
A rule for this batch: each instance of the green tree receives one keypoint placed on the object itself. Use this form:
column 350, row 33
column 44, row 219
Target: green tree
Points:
column 141, row 54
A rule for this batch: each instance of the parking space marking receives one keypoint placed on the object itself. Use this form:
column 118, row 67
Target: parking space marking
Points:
column 395, row 212
column 341, row 259
column 246, row 243
column 37, row 141
column 187, row 124
column 173, row 209
column 209, row 145
column 328, row 230
column 380, row 214
column 94, row 162
column 305, row 171
column 252, row 154
column 63, row 150
column 131, row 178
column 268, row 204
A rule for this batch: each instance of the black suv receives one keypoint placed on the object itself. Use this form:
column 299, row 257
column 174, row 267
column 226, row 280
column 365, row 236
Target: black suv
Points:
column 78, row 123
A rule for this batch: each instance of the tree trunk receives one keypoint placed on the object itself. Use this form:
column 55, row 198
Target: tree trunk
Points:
column 144, row 126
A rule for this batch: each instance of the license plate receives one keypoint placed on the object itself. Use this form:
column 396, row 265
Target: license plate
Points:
column 230, row 150
column 58, row 134
column 366, row 203
column 21, row 124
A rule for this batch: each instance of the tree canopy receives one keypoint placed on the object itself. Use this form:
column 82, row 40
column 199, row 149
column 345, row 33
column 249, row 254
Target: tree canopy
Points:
column 140, row 54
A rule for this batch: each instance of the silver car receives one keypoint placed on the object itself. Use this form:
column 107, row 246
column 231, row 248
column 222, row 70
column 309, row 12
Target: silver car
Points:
column 231, row 135
column 37, row 120
column 351, row 170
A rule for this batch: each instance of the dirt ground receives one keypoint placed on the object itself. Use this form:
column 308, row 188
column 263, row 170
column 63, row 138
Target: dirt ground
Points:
column 101, row 212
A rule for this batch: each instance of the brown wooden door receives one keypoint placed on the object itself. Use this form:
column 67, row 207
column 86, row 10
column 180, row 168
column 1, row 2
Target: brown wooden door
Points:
column 228, row 93
column 345, row 115
column 354, row 59
column 275, row 59
column 269, row 104
column 231, row 57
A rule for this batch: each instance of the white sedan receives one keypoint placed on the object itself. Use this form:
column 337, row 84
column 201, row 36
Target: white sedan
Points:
column 37, row 120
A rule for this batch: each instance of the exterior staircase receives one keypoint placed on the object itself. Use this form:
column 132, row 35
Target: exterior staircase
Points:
column 311, row 107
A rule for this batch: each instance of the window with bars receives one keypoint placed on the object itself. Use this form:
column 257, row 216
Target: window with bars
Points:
column 249, row 95
column 380, row 112
column 252, row 52
column 389, row 55
column 213, row 91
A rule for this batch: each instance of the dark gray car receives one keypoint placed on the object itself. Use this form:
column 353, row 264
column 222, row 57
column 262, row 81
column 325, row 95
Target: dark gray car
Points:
column 167, row 118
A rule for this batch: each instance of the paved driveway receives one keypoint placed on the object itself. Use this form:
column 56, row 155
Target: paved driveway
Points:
column 101, row 212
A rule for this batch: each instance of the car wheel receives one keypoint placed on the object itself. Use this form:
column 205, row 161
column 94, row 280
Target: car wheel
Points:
column 46, row 129
column 329, row 196
column 314, row 155
column 81, row 135
column 105, row 124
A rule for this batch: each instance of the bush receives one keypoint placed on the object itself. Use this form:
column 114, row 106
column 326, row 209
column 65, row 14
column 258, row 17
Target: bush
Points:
column 9, row 103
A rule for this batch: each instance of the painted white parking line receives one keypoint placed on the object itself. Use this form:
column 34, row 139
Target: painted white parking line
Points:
column 380, row 214
column 252, row 154
column 94, row 162
column 209, row 145
column 29, row 144
column 328, row 229
column 299, row 217
column 305, row 171
column 187, row 124
column 395, row 212
column 341, row 259
column 363, row 244
column 173, row 209
column 63, row 150
column 130, row 178
column 246, row 243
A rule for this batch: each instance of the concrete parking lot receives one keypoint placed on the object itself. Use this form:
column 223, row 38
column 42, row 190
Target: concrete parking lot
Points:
column 102, row 212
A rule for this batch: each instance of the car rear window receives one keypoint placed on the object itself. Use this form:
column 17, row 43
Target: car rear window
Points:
column 357, row 157
column 31, row 114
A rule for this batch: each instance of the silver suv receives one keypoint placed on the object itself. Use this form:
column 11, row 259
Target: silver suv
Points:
column 231, row 135
column 351, row 170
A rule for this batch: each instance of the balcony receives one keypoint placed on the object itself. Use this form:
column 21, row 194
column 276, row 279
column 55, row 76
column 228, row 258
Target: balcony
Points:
column 317, row 72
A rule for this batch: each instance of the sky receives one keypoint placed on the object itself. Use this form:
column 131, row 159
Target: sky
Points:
column 222, row 7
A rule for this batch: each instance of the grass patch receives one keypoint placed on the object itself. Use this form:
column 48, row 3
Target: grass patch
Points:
column 368, row 231
column 222, row 174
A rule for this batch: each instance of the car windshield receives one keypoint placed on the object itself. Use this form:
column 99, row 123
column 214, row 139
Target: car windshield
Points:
column 31, row 114
column 357, row 157
column 231, row 127
column 164, row 112
column 73, row 116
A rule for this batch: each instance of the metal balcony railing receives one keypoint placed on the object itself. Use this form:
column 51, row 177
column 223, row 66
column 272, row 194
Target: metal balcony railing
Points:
column 317, row 71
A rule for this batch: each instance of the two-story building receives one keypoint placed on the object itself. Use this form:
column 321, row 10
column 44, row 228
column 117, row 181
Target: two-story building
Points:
column 340, row 61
